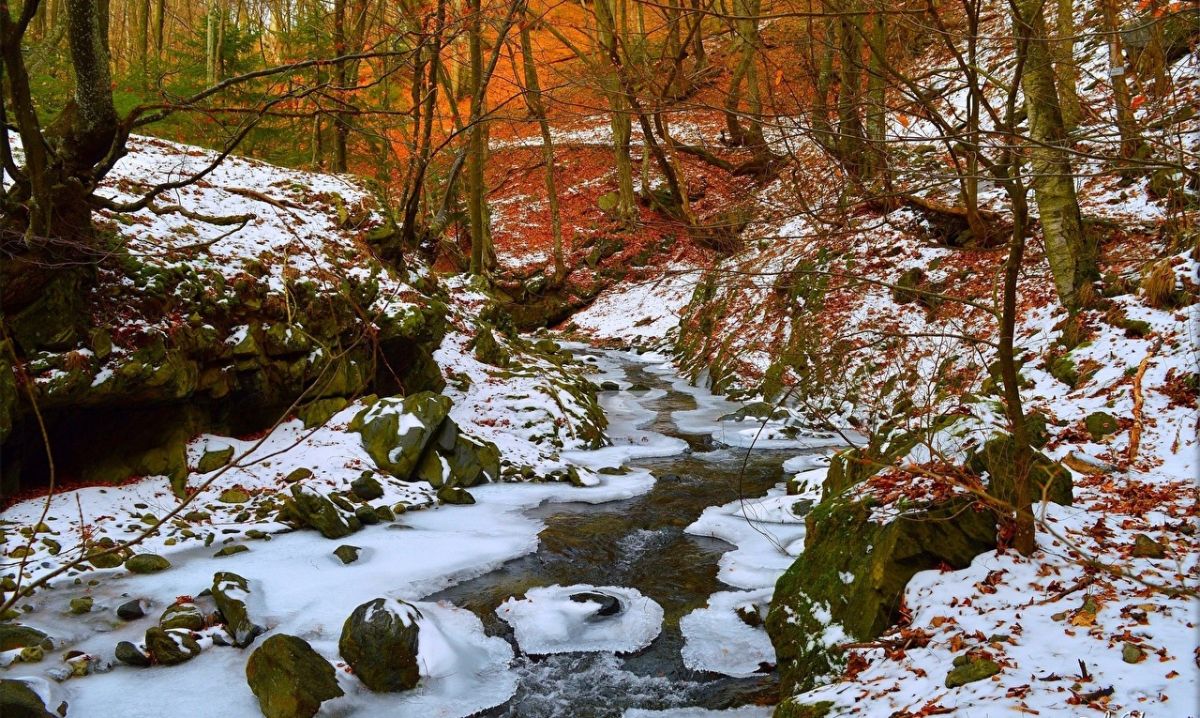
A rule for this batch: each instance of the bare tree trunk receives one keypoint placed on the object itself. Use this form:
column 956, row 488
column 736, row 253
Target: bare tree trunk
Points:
column 876, row 97
column 142, row 37
column 619, row 116
column 1024, row 539
column 341, row 128
column 1131, row 141
column 851, row 137
column 1070, row 252
column 1065, row 72
column 160, row 25
column 412, row 204
column 822, row 129
column 533, row 98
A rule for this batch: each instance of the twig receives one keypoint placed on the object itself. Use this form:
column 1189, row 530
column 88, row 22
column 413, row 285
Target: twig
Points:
column 1135, row 432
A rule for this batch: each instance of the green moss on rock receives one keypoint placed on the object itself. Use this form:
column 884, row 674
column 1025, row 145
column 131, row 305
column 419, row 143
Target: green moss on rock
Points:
column 853, row 573
column 214, row 459
column 1100, row 424
column 289, row 678
column 18, row 700
column 969, row 670
column 146, row 563
column 380, row 640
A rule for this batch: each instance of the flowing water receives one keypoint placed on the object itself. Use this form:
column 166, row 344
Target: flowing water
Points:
column 638, row 543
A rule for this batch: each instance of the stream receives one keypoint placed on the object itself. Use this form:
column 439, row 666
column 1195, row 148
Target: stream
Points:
column 635, row 543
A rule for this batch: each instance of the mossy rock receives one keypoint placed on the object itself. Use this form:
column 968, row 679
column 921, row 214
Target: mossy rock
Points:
column 1146, row 547
column 82, row 604
column 232, row 549
column 18, row 700
column 314, row 510
column 169, row 648
column 880, row 557
column 146, row 563
column 789, row 708
column 299, row 474
column 316, row 413
column 214, row 459
column 995, row 458
column 1100, row 424
column 472, row 461
column 130, row 654
column 910, row 280
column 346, row 553
column 970, row 671
column 182, row 614
column 396, row 432
column 289, row 678
column 1063, row 368
column 234, row 495
column 380, row 641
column 98, row 558
column 230, row 592
column 488, row 350
column 454, row 495
column 367, row 487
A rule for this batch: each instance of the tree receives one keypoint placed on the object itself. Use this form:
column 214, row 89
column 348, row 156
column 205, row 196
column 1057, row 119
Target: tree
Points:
column 1072, row 254
column 537, row 108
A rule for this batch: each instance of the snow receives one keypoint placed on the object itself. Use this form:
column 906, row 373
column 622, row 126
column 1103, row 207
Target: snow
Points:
column 718, row 643
column 548, row 621
column 639, row 311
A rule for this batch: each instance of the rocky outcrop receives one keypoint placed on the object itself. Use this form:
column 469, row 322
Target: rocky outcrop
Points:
column 316, row 511
column 380, row 641
column 858, row 556
column 289, row 678
column 206, row 353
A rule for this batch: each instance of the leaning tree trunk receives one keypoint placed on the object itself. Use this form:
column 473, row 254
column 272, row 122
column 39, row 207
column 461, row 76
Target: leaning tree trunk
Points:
column 1071, row 254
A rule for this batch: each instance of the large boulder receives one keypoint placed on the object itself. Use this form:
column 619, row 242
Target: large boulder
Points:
column 853, row 572
column 289, row 678
column 379, row 641
column 230, row 592
column 313, row 509
column 395, row 432
column 18, row 700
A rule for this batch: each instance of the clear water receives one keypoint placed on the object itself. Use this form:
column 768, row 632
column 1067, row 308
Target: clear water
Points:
column 637, row 543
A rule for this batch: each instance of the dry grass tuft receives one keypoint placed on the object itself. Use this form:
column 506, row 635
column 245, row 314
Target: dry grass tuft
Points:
column 1158, row 284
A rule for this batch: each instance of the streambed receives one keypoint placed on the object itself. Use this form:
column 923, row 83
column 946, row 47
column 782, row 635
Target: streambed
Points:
column 638, row 543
